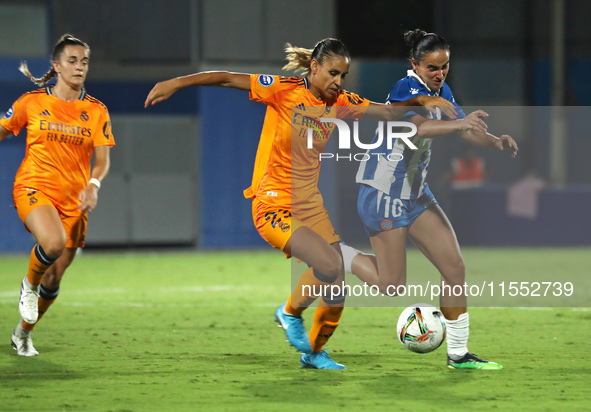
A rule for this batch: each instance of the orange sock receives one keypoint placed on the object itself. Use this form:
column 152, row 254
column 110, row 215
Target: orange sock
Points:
column 326, row 320
column 309, row 288
column 46, row 299
column 38, row 265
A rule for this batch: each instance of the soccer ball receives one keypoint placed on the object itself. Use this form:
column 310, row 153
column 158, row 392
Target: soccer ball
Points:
column 421, row 328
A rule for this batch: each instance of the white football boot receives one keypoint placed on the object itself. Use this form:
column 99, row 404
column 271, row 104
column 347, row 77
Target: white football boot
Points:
column 28, row 305
column 23, row 344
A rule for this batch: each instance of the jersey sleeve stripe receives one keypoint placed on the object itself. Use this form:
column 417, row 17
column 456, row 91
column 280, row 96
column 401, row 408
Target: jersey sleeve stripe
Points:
column 95, row 101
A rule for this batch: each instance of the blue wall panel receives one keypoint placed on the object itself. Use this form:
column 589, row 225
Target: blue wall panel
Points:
column 129, row 98
column 13, row 235
column 231, row 127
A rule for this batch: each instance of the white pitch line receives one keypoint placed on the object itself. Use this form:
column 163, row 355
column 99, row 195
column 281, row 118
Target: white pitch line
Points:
column 146, row 305
column 180, row 289
column 13, row 296
column 265, row 305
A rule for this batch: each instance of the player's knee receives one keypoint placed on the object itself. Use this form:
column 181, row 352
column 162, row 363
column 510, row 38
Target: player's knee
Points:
column 323, row 277
column 455, row 271
column 459, row 266
column 54, row 246
column 390, row 281
column 335, row 267
column 330, row 269
column 387, row 289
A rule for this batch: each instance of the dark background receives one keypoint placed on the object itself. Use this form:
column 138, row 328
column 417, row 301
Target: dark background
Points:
column 179, row 168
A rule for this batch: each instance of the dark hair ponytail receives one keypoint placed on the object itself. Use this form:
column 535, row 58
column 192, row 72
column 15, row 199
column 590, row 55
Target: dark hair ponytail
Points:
column 299, row 59
column 422, row 43
column 329, row 48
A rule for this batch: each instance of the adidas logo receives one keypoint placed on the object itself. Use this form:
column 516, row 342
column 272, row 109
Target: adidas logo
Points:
column 414, row 91
column 45, row 113
column 301, row 107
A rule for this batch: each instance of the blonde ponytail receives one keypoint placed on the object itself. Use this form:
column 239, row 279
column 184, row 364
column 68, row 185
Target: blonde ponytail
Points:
column 24, row 69
column 298, row 59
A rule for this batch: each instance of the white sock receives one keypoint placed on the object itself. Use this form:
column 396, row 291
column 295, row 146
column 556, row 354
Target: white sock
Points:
column 457, row 336
column 20, row 331
column 29, row 286
column 349, row 254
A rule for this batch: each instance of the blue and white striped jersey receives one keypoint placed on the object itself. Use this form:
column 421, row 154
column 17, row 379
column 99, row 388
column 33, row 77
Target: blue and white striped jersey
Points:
column 401, row 172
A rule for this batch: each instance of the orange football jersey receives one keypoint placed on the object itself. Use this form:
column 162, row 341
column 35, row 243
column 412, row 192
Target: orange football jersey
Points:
column 286, row 170
column 61, row 137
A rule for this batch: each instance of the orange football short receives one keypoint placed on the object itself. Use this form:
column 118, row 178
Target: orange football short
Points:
column 25, row 200
column 276, row 225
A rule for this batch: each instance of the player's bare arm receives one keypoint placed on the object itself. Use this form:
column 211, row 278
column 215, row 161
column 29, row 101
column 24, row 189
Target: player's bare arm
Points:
column 163, row 90
column 89, row 196
column 396, row 110
column 485, row 139
column 4, row 132
column 430, row 128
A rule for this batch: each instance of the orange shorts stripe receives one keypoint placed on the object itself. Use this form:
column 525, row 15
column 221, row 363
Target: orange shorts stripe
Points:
column 276, row 225
column 25, row 200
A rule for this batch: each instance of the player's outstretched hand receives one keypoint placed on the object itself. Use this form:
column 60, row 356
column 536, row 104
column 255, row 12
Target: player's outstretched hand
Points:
column 479, row 113
column 506, row 141
column 431, row 103
column 160, row 92
column 474, row 121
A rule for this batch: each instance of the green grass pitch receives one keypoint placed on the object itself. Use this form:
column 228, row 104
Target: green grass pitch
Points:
column 195, row 331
